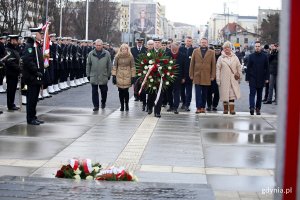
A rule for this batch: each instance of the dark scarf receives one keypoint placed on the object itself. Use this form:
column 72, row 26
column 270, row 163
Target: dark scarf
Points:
column 99, row 54
column 203, row 51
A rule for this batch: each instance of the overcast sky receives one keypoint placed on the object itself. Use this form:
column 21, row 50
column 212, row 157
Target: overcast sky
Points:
column 198, row 12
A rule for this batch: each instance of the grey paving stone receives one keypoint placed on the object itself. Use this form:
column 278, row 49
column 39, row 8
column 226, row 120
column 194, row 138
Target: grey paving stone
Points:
column 43, row 188
column 31, row 148
column 15, row 171
column 238, row 138
column 45, row 130
column 240, row 183
column 171, row 177
column 239, row 156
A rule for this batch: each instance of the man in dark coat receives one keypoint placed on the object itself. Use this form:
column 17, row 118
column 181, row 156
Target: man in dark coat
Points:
column 173, row 92
column 257, row 75
column 2, row 66
column 273, row 68
column 187, row 86
column 12, row 64
column 33, row 68
column 136, row 51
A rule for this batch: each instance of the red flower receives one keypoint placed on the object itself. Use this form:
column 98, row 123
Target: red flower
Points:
column 166, row 62
column 154, row 69
column 164, row 78
column 59, row 174
column 158, row 74
column 141, row 65
column 174, row 67
column 129, row 177
column 171, row 73
column 157, row 60
column 165, row 71
column 145, row 61
column 160, row 55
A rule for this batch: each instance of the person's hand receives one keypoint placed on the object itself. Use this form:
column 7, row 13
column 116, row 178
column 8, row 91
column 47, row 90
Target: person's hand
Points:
column 267, row 81
column 39, row 74
column 218, row 82
column 132, row 80
column 114, row 80
column 183, row 80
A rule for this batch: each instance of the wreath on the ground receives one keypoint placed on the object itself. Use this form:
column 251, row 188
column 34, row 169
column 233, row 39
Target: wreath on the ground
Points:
column 155, row 70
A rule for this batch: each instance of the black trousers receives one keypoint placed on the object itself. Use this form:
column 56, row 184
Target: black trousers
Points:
column 12, row 82
column 213, row 89
column 95, row 94
column 151, row 102
column 2, row 74
column 123, row 95
column 32, row 99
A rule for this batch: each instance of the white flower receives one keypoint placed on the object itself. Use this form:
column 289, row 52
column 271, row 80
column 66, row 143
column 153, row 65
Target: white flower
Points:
column 162, row 75
column 171, row 62
column 142, row 62
column 190, row 57
column 150, row 77
column 151, row 80
column 97, row 169
column 160, row 68
column 154, row 88
column 148, row 54
column 77, row 171
column 139, row 74
column 169, row 67
column 90, row 178
column 167, row 82
column 168, row 73
column 172, row 76
column 149, row 85
column 77, row 177
column 150, row 62
column 146, row 67
column 144, row 72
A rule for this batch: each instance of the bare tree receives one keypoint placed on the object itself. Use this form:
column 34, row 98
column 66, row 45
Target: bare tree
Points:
column 13, row 15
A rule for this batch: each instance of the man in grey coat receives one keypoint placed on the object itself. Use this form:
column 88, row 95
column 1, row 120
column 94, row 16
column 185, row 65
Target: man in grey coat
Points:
column 98, row 70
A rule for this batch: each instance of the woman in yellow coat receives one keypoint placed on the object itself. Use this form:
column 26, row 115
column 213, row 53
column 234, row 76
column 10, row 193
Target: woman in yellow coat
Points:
column 123, row 73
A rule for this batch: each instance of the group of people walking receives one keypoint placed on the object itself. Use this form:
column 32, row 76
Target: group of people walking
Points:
column 215, row 72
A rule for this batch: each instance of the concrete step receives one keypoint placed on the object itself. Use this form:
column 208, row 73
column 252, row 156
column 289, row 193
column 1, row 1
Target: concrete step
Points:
column 15, row 187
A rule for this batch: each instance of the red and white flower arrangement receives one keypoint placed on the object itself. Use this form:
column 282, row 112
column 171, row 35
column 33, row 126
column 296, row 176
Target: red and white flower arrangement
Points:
column 156, row 71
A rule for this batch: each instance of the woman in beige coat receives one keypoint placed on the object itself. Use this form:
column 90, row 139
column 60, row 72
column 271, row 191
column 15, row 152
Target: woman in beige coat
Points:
column 123, row 73
column 228, row 77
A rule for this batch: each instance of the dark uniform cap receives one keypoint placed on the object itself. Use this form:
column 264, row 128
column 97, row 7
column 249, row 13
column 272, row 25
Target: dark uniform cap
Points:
column 13, row 37
column 140, row 39
column 164, row 42
column 156, row 39
column 3, row 37
column 217, row 47
column 36, row 30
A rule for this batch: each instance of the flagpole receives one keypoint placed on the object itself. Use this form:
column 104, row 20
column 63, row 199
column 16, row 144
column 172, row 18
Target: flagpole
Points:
column 60, row 21
column 87, row 20
column 47, row 3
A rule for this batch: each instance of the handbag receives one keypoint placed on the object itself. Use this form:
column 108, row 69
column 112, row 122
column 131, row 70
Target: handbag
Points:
column 236, row 75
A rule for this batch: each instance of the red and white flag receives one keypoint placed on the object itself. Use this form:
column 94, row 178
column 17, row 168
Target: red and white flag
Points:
column 46, row 44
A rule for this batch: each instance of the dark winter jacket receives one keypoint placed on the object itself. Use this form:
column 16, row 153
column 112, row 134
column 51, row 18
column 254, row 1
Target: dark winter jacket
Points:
column 12, row 63
column 273, row 62
column 188, row 53
column 181, row 65
column 257, row 69
column 32, row 63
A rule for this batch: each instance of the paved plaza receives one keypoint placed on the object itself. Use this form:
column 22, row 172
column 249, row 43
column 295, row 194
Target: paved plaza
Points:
column 212, row 156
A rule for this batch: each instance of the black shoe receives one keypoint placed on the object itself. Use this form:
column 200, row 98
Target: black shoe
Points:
column 144, row 108
column 176, row 111
column 14, row 108
column 183, row 107
column 96, row 109
column 1, row 112
column 265, row 100
column 157, row 115
column 163, row 105
column 268, row 102
column 208, row 108
column 103, row 105
column 214, row 109
column 274, row 100
column 136, row 99
column 149, row 111
column 40, row 121
column 122, row 108
column 127, row 107
column 187, row 109
column 34, row 122
column 257, row 111
column 251, row 111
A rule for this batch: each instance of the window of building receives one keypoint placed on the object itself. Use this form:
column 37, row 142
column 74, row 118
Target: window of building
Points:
column 246, row 40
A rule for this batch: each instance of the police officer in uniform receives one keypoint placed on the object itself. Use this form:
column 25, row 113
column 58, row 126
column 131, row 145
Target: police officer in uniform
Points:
column 12, row 70
column 33, row 68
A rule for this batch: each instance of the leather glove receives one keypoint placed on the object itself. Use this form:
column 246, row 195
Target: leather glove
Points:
column 109, row 78
column 114, row 80
column 88, row 78
column 39, row 74
column 132, row 80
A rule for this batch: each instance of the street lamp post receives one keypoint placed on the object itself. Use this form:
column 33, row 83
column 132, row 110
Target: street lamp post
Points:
column 60, row 20
column 87, row 20
column 46, row 17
